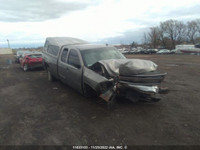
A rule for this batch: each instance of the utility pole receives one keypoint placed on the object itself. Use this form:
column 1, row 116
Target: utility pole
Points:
column 8, row 43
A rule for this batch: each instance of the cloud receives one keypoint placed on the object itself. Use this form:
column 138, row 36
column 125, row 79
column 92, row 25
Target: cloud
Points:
column 189, row 12
column 152, row 16
column 112, row 21
column 127, row 37
column 37, row 10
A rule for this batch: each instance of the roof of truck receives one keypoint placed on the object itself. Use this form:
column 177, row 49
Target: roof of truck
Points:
column 60, row 41
column 78, row 43
column 90, row 46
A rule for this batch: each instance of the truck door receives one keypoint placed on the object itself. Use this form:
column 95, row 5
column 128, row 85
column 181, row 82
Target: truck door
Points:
column 62, row 65
column 69, row 68
column 74, row 70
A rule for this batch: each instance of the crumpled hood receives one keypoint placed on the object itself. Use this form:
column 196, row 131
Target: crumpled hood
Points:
column 127, row 67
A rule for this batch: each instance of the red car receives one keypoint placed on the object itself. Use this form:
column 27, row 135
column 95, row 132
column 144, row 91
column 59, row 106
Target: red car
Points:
column 30, row 61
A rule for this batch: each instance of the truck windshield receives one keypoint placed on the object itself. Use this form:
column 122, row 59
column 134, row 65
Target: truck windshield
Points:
column 92, row 56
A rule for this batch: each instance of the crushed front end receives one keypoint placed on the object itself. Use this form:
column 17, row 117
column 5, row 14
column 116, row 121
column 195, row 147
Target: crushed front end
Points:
column 133, row 79
column 141, row 87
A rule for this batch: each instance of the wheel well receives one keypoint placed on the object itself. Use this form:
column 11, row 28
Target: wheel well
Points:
column 45, row 65
column 89, row 91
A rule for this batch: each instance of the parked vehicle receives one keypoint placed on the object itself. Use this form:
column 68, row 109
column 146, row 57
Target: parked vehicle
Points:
column 164, row 51
column 151, row 51
column 100, row 70
column 31, row 61
column 18, row 55
column 23, row 54
column 137, row 51
column 126, row 51
column 173, row 51
column 142, row 51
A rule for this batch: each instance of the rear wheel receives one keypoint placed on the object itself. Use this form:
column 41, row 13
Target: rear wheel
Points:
column 25, row 68
column 50, row 76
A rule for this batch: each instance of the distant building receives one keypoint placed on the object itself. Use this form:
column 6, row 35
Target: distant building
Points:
column 6, row 51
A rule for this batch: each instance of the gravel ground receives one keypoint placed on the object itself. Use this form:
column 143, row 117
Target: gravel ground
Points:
column 34, row 111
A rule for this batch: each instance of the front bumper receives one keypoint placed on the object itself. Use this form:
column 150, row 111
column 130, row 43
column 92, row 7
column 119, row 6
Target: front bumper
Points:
column 135, row 92
column 132, row 92
column 140, row 92
column 36, row 65
column 146, row 89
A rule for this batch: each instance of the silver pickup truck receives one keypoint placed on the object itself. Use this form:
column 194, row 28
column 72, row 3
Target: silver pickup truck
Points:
column 100, row 70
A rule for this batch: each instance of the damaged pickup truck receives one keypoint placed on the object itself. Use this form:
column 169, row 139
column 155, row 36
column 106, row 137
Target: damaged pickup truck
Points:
column 101, row 70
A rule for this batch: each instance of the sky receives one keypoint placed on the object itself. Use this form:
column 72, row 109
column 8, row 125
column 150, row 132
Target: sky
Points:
column 101, row 21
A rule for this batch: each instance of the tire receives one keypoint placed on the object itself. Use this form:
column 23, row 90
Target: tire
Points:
column 155, row 99
column 25, row 67
column 50, row 77
column 44, row 65
column 88, row 92
column 111, row 103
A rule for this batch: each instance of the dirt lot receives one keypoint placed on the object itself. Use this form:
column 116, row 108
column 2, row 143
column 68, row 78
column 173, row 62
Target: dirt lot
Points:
column 38, row 112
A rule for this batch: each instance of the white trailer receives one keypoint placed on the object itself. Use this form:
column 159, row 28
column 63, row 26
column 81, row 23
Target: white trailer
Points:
column 187, row 49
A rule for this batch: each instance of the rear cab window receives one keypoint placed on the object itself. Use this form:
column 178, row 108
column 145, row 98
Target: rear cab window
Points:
column 52, row 49
column 46, row 46
column 64, row 55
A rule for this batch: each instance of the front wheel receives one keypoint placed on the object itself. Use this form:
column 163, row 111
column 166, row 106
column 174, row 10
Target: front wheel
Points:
column 25, row 68
column 111, row 103
column 88, row 91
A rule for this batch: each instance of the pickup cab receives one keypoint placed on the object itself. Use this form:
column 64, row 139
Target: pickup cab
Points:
column 100, row 70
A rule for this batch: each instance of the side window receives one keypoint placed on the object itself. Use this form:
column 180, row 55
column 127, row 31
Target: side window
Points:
column 46, row 45
column 73, row 59
column 53, row 50
column 64, row 55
